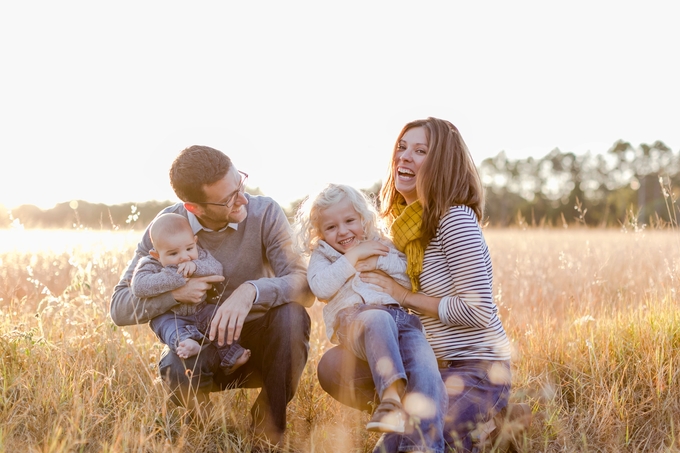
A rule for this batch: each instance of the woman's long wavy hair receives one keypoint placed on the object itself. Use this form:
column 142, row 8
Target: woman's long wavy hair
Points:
column 447, row 177
column 306, row 225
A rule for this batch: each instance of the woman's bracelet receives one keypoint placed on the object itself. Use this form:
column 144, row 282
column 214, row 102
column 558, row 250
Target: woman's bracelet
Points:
column 403, row 298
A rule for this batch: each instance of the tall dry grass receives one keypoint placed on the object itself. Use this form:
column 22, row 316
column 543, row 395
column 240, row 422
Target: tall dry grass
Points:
column 592, row 315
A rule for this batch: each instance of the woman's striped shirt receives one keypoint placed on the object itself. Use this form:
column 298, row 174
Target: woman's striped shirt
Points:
column 457, row 268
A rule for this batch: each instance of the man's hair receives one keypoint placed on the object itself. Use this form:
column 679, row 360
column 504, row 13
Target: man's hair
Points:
column 447, row 177
column 168, row 224
column 307, row 228
column 195, row 167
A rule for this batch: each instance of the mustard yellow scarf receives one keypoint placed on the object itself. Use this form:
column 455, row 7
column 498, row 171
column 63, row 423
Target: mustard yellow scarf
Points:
column 406, row 236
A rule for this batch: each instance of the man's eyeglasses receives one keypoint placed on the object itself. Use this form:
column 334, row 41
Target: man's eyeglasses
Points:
column 232, row 197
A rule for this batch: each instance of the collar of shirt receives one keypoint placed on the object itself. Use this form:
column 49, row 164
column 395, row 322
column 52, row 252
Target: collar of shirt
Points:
column 196, row 225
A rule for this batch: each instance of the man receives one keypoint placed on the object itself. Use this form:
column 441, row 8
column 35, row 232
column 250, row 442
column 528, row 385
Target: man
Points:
column 264, row 291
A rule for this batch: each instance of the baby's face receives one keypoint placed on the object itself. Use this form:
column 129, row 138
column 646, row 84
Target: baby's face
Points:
column 177, row 248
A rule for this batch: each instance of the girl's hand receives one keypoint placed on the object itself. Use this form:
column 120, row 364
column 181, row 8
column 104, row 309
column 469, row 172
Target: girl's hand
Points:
column 186, row 268
column 366, row 250
column 367, row 264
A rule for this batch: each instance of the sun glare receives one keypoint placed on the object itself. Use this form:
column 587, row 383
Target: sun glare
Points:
column 58, row 241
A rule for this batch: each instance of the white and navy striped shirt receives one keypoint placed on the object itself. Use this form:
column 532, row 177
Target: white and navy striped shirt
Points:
column 457, row 268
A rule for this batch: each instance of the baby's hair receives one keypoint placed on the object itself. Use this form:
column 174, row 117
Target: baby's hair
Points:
column 306, row 226
column 167, row 224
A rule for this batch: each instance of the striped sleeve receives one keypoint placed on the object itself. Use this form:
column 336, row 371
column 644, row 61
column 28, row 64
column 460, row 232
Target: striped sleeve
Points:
column 457, row 269
column 469, row 265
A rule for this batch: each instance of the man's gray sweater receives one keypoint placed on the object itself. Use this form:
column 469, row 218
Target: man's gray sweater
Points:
column 259, row 251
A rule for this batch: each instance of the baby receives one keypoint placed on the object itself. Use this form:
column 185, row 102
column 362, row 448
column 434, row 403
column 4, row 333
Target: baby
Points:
column 176, row 257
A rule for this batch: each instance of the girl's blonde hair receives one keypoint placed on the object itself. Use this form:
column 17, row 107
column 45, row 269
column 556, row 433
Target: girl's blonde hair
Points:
column 306, row 225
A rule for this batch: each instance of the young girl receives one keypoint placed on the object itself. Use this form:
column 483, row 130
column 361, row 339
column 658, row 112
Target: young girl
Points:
column 338, row 229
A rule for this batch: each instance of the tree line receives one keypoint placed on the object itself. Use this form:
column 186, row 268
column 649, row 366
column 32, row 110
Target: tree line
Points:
column 626, row 184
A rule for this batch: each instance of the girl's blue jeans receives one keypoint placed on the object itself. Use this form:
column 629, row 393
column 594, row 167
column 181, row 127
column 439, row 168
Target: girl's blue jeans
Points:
column 390, row 345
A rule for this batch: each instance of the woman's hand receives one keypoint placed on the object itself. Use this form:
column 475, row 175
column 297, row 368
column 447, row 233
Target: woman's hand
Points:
column 425, row 305
column 386, row 284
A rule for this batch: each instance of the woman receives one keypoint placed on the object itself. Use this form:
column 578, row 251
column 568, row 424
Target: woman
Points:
column 433, row 200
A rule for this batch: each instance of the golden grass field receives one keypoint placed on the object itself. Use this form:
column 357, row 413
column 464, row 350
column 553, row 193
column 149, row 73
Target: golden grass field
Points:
column 592, row 315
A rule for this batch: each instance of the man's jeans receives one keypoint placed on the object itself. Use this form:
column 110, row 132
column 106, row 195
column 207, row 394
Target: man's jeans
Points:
column 477, row 390
column 279, row 345
column 392, row 345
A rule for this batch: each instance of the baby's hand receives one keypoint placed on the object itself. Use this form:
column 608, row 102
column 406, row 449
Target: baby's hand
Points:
column 186, row 268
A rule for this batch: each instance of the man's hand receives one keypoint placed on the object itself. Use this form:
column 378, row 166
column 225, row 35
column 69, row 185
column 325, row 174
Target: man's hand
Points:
column 194, row 290
column 187, row 268
column 230, row 316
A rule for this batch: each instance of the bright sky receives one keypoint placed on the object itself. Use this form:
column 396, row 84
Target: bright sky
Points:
column 97, row 98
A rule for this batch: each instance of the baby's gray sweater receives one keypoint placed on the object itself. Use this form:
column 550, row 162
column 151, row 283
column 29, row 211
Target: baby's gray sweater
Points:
column 151, row 279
